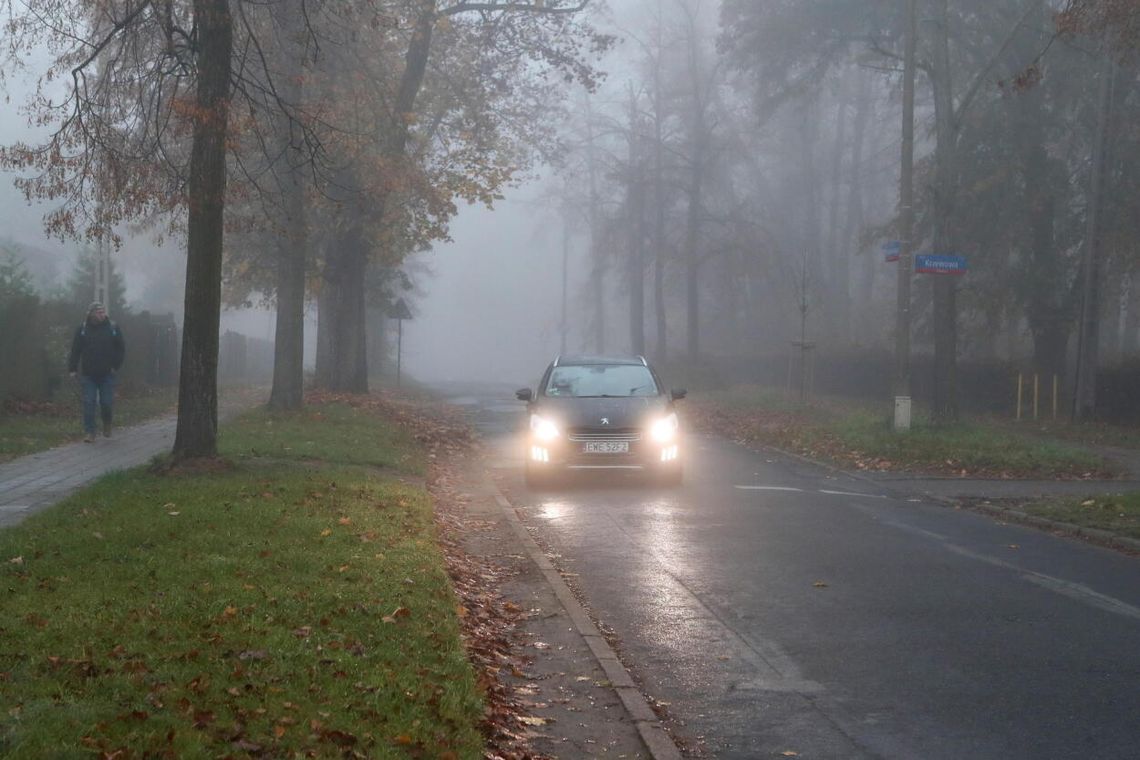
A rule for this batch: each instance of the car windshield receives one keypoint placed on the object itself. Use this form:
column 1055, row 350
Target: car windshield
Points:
column 588, row 380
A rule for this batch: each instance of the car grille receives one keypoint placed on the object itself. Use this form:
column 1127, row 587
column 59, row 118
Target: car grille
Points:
column 580, row 436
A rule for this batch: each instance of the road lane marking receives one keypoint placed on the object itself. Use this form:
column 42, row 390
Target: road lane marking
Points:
column 804, row 490
column 1076, row 591
column 770, row 488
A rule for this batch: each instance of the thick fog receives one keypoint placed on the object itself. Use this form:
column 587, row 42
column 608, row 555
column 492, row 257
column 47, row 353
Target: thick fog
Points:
column 723, row 198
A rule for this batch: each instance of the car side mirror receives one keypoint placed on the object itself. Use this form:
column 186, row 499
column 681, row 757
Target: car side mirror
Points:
column 524, row 394
column 678, row 393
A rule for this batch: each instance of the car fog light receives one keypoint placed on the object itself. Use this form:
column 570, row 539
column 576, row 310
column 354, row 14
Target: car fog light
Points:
column 539, row 454
column 669, row 454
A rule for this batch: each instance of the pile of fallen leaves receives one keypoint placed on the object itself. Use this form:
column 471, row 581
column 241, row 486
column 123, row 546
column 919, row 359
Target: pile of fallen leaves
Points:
column 490, row 631
column 783, row 429
column 488, row 621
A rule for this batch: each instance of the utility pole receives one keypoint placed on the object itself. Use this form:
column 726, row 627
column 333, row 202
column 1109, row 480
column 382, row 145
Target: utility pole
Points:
column 906, row 221
column 1084, row 395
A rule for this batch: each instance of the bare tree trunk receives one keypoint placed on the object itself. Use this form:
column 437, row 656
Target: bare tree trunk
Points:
column 1130, row 341
column 343, row 316
column 945, row 188
column 325, row 344
column 349, row 337
column 635, row 203
column 837, row 268
column 289, row 340
column 1110, row 314
column 855, row 211
column 692, row 252
column 659, row 241
column 597, row 263
column 197, row 428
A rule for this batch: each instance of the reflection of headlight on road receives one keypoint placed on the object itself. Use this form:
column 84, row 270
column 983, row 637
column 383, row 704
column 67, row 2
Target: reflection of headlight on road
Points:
column 664, row 429
column 543, row 429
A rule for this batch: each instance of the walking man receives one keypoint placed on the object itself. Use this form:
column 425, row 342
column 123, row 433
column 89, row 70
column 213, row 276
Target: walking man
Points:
column 97, row 352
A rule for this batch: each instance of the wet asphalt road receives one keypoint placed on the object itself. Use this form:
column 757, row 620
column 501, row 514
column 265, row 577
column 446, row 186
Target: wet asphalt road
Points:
column 780, row 609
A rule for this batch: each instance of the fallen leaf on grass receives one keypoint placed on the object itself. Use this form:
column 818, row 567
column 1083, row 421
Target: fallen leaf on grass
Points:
column 819, row 584
column 399, row 612
column 16, row 561
column 531, row 720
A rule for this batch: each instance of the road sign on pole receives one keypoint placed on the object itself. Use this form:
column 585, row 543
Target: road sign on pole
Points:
column 892, row 249
column 938, row 263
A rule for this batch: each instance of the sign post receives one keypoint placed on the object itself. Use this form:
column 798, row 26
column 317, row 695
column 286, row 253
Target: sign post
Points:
column 399, row 312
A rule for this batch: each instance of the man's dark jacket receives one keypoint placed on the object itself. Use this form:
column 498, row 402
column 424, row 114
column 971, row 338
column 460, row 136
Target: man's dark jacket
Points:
column 98, row 348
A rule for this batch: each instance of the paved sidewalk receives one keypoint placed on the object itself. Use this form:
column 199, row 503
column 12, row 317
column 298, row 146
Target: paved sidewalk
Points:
column 37, row 481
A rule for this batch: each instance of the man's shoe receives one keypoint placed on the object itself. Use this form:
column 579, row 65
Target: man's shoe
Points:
column 106, row 429
column 89, row 438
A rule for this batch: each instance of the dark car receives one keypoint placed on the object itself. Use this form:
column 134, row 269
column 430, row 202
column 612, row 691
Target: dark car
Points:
column 602, row 413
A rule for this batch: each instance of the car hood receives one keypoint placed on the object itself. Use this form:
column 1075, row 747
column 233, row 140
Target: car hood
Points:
column 628, row 412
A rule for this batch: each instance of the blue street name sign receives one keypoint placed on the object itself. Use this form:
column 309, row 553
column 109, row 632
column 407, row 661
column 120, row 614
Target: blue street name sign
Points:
column 892, row 249
column 939, row 263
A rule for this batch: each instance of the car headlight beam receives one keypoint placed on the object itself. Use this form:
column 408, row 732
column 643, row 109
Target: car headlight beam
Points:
column 664, row 429
column 542, row 428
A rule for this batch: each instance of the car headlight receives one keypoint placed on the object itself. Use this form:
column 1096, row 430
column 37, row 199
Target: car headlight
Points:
column 664, row 429
column 542, row 428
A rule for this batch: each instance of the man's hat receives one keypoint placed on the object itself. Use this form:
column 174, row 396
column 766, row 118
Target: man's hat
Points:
column 95, row 306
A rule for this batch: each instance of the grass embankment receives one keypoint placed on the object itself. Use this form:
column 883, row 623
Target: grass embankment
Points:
column 292, row 603
column 860, row 437
column 28, row 428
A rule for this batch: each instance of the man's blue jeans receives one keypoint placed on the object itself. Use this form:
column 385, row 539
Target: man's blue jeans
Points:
column 101, row 391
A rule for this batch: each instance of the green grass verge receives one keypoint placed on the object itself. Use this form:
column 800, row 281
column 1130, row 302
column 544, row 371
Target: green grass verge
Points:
column 1118, row 513
column 860, row 436
column 966, row 447
column 28, row 433
column 293, row 608
column 305, row 435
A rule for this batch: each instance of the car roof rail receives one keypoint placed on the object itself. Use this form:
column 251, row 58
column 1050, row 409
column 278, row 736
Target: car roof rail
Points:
column 643, row 360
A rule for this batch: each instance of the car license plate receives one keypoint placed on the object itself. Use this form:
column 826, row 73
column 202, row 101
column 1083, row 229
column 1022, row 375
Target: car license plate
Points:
column 606, row 447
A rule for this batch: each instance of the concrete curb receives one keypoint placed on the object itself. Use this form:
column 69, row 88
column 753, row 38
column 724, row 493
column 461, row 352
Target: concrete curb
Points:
column 1092, row 535
column 657, row 741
